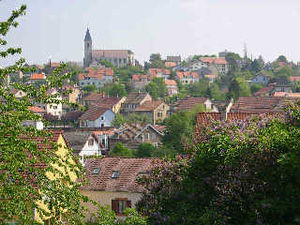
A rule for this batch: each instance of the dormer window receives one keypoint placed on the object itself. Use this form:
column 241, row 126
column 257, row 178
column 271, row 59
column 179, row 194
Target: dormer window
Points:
column 102, row 118
column 115, row 174
column 96, row 170
column 90, row 142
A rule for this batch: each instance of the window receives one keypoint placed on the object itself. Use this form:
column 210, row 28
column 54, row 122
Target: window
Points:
column 55, row 107
column 90, row 142
column 102, row 118
column 147, row 136
column 115, row 174
column 96, row 170
column 119, row 205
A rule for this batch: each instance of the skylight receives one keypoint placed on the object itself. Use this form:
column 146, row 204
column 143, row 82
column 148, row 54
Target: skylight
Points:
column 96, row 171
column 115, row 174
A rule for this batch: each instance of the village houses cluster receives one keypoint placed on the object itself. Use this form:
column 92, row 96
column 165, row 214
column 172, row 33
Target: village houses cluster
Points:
column 91, row 130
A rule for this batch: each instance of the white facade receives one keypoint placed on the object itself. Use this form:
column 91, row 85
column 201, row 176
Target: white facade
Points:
column 91, row 147
column 53, row 108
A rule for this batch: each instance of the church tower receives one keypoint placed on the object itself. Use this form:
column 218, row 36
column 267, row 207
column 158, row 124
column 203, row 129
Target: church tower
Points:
column 87, row 60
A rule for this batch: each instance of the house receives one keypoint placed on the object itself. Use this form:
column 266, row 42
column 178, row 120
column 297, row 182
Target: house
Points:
column 214, row 63
column 287, row 95
column 211, row 77
column 113, row 103
column 174, row 59
column 52, row 108
column 83, row 143
column 260, row 79
column 172, row 87
column 132, row 135
column 113, row 182
column 157, row 111
column 295, row 78
column 37, row 78
column 74, row 94
column 160, row 73
column 133, row 100
column 259, row 104
column 18, row 93
column 38, row 124
column 103, row 136
column 187, row 77
column 139, row 81
column 97, row 77
column 56, row 146
column 96, row 117
column 264, row 91
column 117, row 57
column 191, row 102
column 282, row 86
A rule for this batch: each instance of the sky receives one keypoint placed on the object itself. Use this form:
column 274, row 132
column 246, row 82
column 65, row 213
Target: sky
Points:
column 55, row 28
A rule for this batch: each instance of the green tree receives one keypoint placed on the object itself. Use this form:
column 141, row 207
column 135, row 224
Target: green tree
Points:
column 238, row 173
column 24, row 166
column 157, row 88
column 114, row 89
column 121, row 150
column 255, row 87
column 89, row 88
column 135, row 118
column 214, row 92
column 155, row 61
column 145, row 150
column 198, row 89
column 239, row 87
column 282, row 58
column 118, row 121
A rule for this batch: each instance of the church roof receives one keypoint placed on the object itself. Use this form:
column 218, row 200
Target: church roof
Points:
column 87, row 35
column 111, row 53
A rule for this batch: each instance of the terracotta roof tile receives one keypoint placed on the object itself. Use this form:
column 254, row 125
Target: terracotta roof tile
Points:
column 148, row 106
column 294, row 78
column 36, row 109
column 37, row 76
column 190, row 103
column 170, row 82
column 129, row 170
column 213, row 60
column 96, row 74
column 93, row 113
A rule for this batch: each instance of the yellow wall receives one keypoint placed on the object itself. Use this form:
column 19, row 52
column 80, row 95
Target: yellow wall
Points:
column 104, row 199
column 62, row 151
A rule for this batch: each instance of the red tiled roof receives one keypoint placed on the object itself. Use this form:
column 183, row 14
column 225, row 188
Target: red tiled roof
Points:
column 294, row 78
column 213, row 60
column 129, row 170
column 96, row 74
column 190, row 103
column 186, row 74
column 285, row 94
column 170, row 64
column 160, row 128
column 36, row 109
column 148, row 106
column 263, row 91
column 211, row 76
column 170, row 82
column 257, row 104
column 155, row 71
column 37, row 76
column 93, row 113
column 139, row 77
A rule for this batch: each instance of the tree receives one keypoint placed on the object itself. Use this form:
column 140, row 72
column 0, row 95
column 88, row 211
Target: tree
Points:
column 255, row 66
column 255, row 87
column 135, row 118
column 157, row 88
column 89, row 88
column 121, row 150
column 239, row 87
column 180, row 128
column 114, row 89
column 155, row 61
column 118, row 121
column 145, row 150
column 232, row 59
column 27, row 155
column 282, row 58
column 198, row 89
column 239, row 173
column 214, row 92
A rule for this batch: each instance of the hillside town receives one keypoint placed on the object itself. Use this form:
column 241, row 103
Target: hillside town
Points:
column 121, row 119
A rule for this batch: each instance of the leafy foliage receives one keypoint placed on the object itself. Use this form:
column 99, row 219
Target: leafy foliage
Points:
column 239, row 173
column 157, row 88
column 121, row 150
column 25, row 168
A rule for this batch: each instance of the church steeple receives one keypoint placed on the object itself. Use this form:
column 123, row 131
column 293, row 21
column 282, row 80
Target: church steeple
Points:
column 87, row 60
column 87, row 35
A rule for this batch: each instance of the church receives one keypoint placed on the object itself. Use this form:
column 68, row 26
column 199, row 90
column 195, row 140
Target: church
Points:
column 93, row 57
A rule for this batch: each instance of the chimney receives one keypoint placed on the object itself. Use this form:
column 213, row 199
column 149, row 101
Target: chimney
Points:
column 223, row 112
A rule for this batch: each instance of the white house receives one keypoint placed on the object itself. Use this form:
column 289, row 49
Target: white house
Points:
column 96, row 117
column 53, row 108
column 83, row 143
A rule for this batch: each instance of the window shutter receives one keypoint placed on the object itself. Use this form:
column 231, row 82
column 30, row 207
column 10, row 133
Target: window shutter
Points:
column 128, row 204
column 114, row 205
